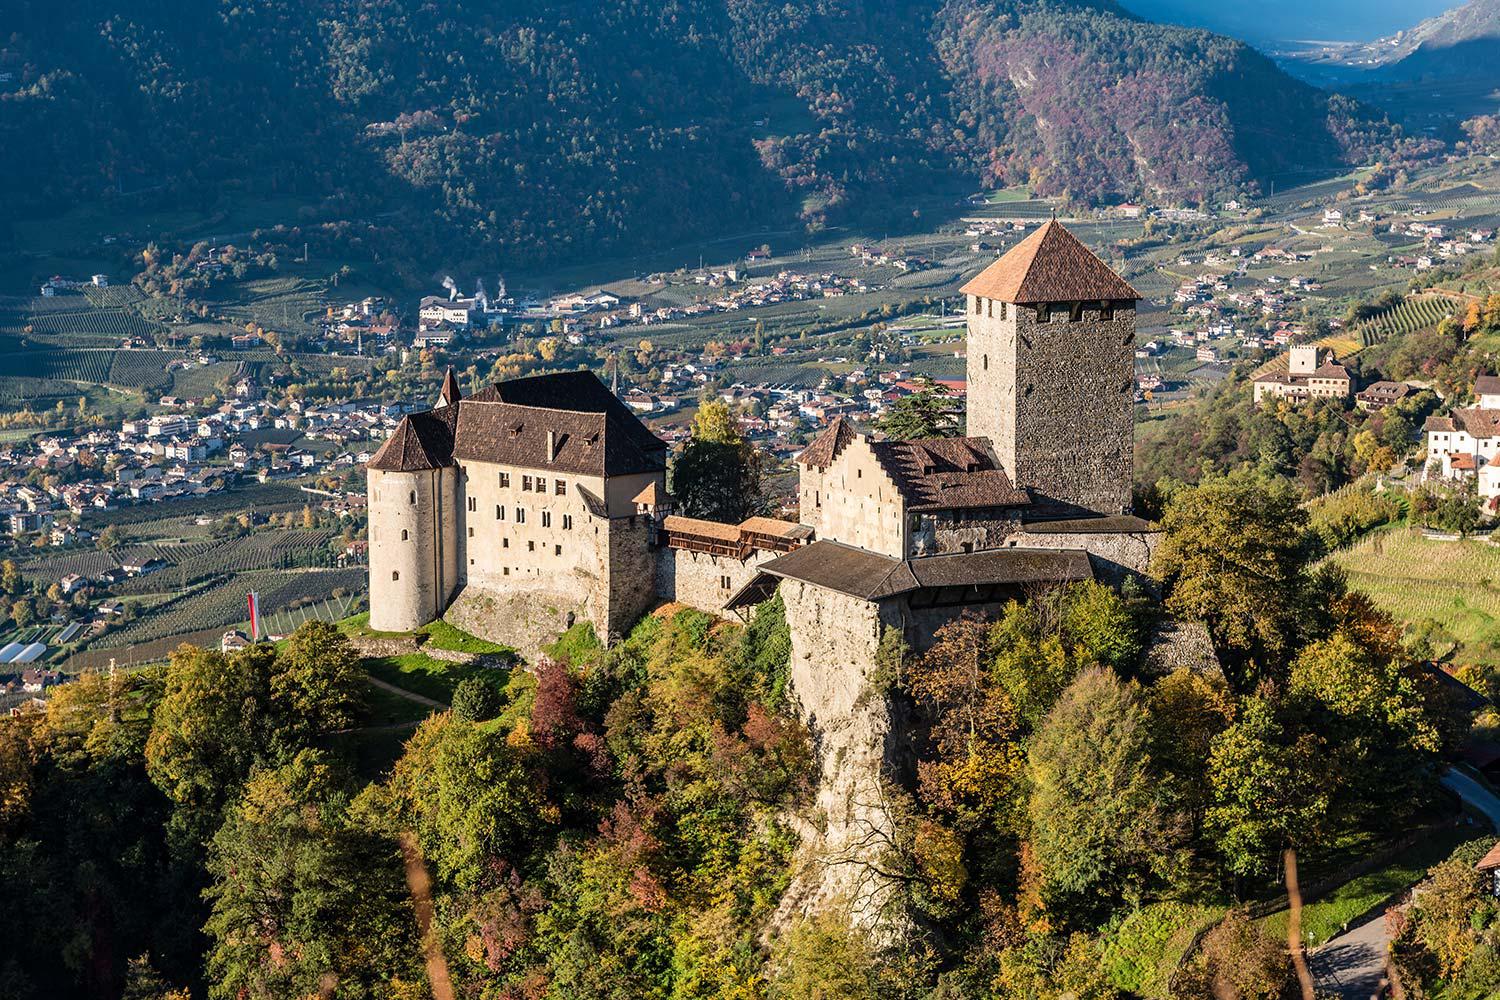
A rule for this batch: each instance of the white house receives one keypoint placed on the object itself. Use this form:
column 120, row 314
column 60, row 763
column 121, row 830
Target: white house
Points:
column 1464, row 444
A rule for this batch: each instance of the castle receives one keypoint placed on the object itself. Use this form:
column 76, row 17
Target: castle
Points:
column 538, row 502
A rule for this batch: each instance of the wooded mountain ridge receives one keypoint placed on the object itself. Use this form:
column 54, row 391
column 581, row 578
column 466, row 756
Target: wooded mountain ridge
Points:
column 530, row 132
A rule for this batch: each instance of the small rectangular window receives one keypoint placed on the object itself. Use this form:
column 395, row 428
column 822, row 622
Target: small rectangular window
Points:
column 531, row 546
column 526, row 484
column 541, row 484
column 499, row 512
column 395, row 574
column 520, row 515
column 557, row 550
column 1003, row 310
column 977, row 305
column 473, row 504
column 471, row 532
column 562, row 488
column 505, row 543
column 990, row 310
column 505, row 479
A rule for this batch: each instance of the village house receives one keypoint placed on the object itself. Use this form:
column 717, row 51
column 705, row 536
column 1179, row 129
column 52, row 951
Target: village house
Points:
column 1463, row 445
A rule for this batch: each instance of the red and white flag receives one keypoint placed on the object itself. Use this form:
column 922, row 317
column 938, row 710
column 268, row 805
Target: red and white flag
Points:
column 254, row 616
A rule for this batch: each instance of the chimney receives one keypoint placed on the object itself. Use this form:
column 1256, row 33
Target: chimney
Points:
column 551, row 445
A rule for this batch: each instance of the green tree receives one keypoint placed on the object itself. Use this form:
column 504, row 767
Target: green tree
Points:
column 926, row 413
column 1236, row 556
column 1266, row 792
column 302, row 897
column 476, row 699
column 1095, row 825
column 317, row 683
column 717, row 474
column 825, row 958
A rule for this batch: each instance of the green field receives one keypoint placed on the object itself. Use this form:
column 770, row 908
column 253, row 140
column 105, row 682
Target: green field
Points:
column 1456, row 584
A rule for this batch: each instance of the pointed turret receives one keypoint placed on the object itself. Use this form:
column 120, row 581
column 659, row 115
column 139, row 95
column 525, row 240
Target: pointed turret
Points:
column 1050, row 265
column 450, row 393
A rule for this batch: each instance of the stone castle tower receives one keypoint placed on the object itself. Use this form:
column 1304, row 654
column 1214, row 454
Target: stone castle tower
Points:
column 414, row 552
column 1051, row 371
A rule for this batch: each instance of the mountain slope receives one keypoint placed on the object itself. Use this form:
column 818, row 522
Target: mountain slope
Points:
column 1457, row 42
column 534, row 131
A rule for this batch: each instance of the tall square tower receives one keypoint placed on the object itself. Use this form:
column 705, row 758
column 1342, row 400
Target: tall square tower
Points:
column 1051, row 366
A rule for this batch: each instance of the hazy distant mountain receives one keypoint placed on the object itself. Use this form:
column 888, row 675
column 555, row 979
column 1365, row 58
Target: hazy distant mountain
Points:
column 534, row 131
column 1263, row 22
column 1462, row 41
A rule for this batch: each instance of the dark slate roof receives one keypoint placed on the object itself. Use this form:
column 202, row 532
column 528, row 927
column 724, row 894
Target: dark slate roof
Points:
column 1050, row 265
column 420, row 441
column 873, row 577
column 594, row 433
column 947, row 474
column 1119, row 524
column 827, row 445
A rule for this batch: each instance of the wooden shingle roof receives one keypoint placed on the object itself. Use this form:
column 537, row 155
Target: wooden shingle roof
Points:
column 1050, row 265
column 947, row 474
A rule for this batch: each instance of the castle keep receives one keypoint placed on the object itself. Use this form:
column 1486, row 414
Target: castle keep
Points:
column 538, row 502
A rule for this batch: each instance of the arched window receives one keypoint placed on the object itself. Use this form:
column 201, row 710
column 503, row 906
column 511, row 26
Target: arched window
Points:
column 985, row 361
column 413, row 496
column 405, row 535
column 395, row 574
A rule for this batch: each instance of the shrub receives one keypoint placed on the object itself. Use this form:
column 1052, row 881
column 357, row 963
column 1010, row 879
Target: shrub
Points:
column 475, row 699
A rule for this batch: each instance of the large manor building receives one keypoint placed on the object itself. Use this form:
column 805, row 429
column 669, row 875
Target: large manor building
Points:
column 538, row 502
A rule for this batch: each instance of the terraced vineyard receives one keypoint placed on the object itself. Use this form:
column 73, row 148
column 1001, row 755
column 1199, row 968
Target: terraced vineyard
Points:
column 222, row 603
column 1415, row 313
column 267, row 497
column 99, row 366
column 112, row 325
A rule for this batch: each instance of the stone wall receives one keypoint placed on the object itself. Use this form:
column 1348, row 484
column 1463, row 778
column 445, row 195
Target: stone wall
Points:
column 1074, row 402
column 525, row 618
column 631, row 577
column 1055, row 398
column 944, row 534
column 704, row 581
column 1116, row 555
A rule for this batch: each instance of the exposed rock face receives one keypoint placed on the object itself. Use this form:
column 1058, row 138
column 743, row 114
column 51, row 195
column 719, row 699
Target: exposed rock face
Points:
column 858, row 740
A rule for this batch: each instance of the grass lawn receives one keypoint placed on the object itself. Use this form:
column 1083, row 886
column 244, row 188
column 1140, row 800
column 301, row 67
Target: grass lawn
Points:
column 1143, row 950
column 1455, row 583
column 382, row 708
column 1327, row 917
column 440, row 635
column 424, row 675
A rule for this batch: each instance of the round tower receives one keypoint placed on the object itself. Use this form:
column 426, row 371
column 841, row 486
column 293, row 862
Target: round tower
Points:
column 413, row 506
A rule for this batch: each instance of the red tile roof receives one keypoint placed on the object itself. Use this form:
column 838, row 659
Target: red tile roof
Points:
column 827, row 445
column 1050, row 265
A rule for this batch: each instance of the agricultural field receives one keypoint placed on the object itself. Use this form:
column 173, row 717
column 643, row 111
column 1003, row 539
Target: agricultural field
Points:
column 137, row 370
column 1417, row 312
column 261, row 497
column 1456, row 584
column 220, row 604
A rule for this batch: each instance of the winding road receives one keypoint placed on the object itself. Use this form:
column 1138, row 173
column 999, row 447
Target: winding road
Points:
column 1352, row 965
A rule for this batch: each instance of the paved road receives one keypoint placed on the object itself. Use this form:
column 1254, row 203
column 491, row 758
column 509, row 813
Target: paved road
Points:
column 1473, row 794
column 1352, row 965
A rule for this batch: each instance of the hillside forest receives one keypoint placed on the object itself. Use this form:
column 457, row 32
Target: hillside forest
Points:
column 530, row 133
column 624, row 822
